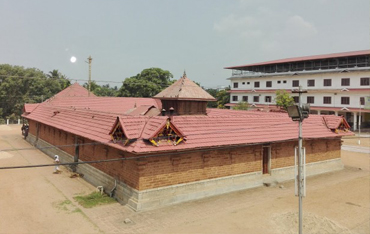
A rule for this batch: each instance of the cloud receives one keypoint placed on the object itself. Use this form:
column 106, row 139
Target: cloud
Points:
column 232, row 23
column 299, row 27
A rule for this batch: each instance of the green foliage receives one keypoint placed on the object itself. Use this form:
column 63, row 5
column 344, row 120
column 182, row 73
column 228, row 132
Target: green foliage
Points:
column 148, row 83
column 214, row 93
column 94, row 199
column 223, row 97
column 19, row 85
column 103, row 91
column 283, row 99
column 241, row 106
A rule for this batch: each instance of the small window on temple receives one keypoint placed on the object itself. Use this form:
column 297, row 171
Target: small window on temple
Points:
column 118, row 135
column 168, row 135
column 236, row 84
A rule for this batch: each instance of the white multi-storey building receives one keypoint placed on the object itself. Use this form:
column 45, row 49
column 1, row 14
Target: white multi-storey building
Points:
column 336, row 84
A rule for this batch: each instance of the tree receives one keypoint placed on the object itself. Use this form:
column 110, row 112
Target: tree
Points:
column 148, row 83
column 283, row 99
column 19, row 85
column 214, row 93
column 103, row 91
column 223, row 97
column 241, row 106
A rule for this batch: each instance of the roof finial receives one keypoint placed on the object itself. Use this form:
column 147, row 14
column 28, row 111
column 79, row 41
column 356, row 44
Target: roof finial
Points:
column 184, row 73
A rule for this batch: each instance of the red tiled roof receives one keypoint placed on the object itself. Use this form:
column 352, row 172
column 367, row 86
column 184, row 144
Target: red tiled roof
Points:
column 200, row 131
column 141, row 110
column 117, row 105
column 184, row 89
column 132, row 127
column 29, row 107
column 95, row 117
column 306, row 58
column 75, row 90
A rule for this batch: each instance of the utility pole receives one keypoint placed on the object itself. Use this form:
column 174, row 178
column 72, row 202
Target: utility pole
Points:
column 89, row 59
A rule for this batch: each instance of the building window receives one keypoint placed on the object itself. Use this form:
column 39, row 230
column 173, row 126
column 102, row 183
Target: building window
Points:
column 327, row 100
column 327, row 82
column 279, row 81
column 236, row 84
column 268, row 99
column 345, row 82
column 345, row 100
column 248, row 82
column 235, row 98
column 256, row 84
column 362, row 101
column 284, row 81
column 245, row 98
column 310, row 83
column 311, row 99
column 295, row 83
column 256, row 98
column 268, row 84
column 243, row 83
column 365, row 81
column 296, row 99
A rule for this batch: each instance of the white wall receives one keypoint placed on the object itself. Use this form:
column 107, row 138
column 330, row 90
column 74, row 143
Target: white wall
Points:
column 303, row 78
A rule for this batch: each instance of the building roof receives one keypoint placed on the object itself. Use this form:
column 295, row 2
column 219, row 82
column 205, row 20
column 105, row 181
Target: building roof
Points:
column 117, row 105
column 184, row 89
column 219, row 128
column 29, row 107
column 305, row 58
column 310, row 90
column 74, row 90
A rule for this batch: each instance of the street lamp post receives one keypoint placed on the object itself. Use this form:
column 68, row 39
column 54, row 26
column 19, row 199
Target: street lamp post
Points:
column 299, row 113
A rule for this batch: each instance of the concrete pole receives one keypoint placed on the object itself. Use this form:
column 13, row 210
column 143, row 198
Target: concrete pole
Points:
column 354, row 121
column 7, row 121
column 300, row 168
column 19, row 121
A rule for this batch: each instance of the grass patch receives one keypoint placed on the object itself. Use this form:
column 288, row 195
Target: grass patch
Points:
column 94, row 199
column 62, row 205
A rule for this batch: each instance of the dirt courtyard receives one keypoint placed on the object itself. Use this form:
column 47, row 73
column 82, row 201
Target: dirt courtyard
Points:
column 35, row 200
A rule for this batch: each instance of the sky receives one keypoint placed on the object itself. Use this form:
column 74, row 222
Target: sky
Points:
column 200, row 37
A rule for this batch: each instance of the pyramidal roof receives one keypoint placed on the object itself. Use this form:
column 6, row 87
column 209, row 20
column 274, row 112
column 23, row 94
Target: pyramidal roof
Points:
column 75, row 90
column 184, row 89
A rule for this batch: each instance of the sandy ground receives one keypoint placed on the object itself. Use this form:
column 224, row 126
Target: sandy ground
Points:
column 32, row 200
column 354, row 141
column 37, row 201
